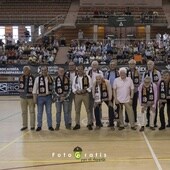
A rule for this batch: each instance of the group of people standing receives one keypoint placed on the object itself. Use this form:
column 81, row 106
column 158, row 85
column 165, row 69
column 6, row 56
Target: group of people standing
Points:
column 116, row 88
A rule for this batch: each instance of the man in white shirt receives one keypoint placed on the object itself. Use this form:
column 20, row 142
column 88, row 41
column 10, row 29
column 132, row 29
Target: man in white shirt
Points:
column 81, row 87
column 123, row 92
column 42, row 96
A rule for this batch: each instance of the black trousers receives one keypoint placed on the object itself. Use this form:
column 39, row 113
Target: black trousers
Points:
column 134, row 106
column 162, row 115
column 111, row 114
column 97, row 114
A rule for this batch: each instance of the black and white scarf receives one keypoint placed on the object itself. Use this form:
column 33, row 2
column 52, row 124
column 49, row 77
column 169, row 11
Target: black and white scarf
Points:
column 42, row 84
column 147, row 94
column 62, row 85
column 134, row 76
column 28, row 82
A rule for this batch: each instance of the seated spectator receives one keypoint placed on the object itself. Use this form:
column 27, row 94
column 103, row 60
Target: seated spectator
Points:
column 50, row 59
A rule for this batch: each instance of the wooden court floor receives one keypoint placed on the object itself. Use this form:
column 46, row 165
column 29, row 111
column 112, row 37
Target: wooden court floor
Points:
column 102, row 149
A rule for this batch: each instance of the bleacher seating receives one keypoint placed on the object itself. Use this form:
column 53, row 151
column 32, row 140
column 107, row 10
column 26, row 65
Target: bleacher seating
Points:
column 31, row 11
column 99, row 15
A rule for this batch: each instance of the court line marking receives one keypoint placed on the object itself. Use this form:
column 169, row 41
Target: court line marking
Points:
column 14, row 114
column 152, row 152
column 12, row 142
column 68, row 162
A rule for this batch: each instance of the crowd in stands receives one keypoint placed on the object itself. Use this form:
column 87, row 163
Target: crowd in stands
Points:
column 26, row 53
column 85, row 52
column 145, row 16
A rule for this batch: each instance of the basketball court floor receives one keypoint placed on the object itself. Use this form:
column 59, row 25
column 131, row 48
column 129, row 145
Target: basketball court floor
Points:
column 102, row 149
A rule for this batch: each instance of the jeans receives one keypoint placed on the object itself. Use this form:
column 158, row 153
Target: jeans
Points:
column 65, row 105
column 97, row 114
column 47, row 102
column 70, row 103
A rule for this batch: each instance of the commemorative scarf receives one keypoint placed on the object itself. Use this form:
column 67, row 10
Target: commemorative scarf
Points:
column 42, row 84
column 147, row 94
column 91, row 72
column 116, row 74
column 164, row 90
column 103, row 91
column 85, row 82
column 154, row 75
column 134, row 76
column 62, row 85
column 28, row 82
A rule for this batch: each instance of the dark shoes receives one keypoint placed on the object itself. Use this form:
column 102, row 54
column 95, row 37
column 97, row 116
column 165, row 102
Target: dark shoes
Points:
column 51, row 128
column 112, row 128
column 133, row 128
column 57, row 127
column 152, row 128
column 68, row 127
column 121, row 128
column 32, row 128
column 24, row 128
column 38, row 129
column 168, row 125
column 89, row 127
column 142, row 129
column 76, row 127
column 162, row 128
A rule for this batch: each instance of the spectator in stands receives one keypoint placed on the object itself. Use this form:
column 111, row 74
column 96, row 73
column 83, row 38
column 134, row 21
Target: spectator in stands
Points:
column 1, row 45
column 27, row 35
column 62, row 40
column 3, row 59
column 50, row 59
column 80, row 36
column 26, row 82
column 127, row 11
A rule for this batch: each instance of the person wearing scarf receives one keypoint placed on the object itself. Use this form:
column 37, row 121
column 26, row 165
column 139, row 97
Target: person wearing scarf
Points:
column 164, row 98
column 111, row 75
column 71, row 73
column 62, row 90
column 155, row 76
column 26, row 82
column 81, row 87
column 92, row 73
column 102, row 92
column 147, row 98
column 134, row 74
column 42, row 95
column 123, row 88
